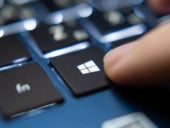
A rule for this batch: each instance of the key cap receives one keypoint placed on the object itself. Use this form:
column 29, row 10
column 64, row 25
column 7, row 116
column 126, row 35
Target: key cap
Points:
column 25, row 88
column 114, row 20
column 53, row 37
column 116, row 25
column 133, row 120
column 111, row 20
column 58, row 11
column 54, row 5
column 83, row 70
column 11, row 50
column 10, row 13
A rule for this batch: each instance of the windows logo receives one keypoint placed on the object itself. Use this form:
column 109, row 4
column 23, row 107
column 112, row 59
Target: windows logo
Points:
column 88, row 67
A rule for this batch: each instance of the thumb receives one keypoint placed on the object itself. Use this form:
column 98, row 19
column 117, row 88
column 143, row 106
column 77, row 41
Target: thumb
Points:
column 143, row 62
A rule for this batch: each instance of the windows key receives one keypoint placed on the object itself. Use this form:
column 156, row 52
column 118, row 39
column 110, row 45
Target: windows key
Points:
column 82, row 70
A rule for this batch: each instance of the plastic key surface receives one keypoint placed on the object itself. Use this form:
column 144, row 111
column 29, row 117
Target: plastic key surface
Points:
column 55, row 5
column 82, row 70
column 11, row 49
column 52, row 37
column 26, row 88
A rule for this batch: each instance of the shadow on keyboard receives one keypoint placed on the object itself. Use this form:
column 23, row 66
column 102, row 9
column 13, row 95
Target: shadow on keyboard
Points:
column 51, row 66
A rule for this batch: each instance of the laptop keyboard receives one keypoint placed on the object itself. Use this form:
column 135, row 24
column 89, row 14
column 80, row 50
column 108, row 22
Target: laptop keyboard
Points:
column 62, row 39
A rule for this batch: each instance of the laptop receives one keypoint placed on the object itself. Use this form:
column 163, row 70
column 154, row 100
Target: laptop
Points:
column 51, row 65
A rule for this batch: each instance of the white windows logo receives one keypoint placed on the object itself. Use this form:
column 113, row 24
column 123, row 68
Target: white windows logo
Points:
column 88, row 67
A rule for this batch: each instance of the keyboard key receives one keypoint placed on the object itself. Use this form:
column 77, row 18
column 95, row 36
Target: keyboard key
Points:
column 58, row 11
column 25, row 88
column 54, row 5
column 10, row 12
column 114, row 20
column 133, row 120
column 83, row 70
column 116, row 25
column 115, row 44
column 11, row 49
column 53, row 37
column 111, row 20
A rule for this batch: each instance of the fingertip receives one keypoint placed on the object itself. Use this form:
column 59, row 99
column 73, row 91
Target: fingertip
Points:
column 113, row 58
column 143, row 63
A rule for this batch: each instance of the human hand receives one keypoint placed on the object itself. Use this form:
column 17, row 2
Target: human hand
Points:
column 145, row 61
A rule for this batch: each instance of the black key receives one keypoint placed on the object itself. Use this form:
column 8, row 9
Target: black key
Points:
column 25, row 88
column 117, row 43
column 54, row 5
column 11, row 13
column 116, row 25
column 50, row 38
column 114, row 20
column 11, row 49
column 98, row 18
column 82, row 70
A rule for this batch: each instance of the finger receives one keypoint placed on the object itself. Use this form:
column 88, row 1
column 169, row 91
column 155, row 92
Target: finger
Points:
column 143, row 62
column 160, row 6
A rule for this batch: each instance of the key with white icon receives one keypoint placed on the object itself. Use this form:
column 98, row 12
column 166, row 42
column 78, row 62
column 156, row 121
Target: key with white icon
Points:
column 82, row 70
column 26, row 88
column 58, row 36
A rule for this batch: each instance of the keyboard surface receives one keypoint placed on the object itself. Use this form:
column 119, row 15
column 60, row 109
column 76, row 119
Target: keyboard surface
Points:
column 51, row 66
